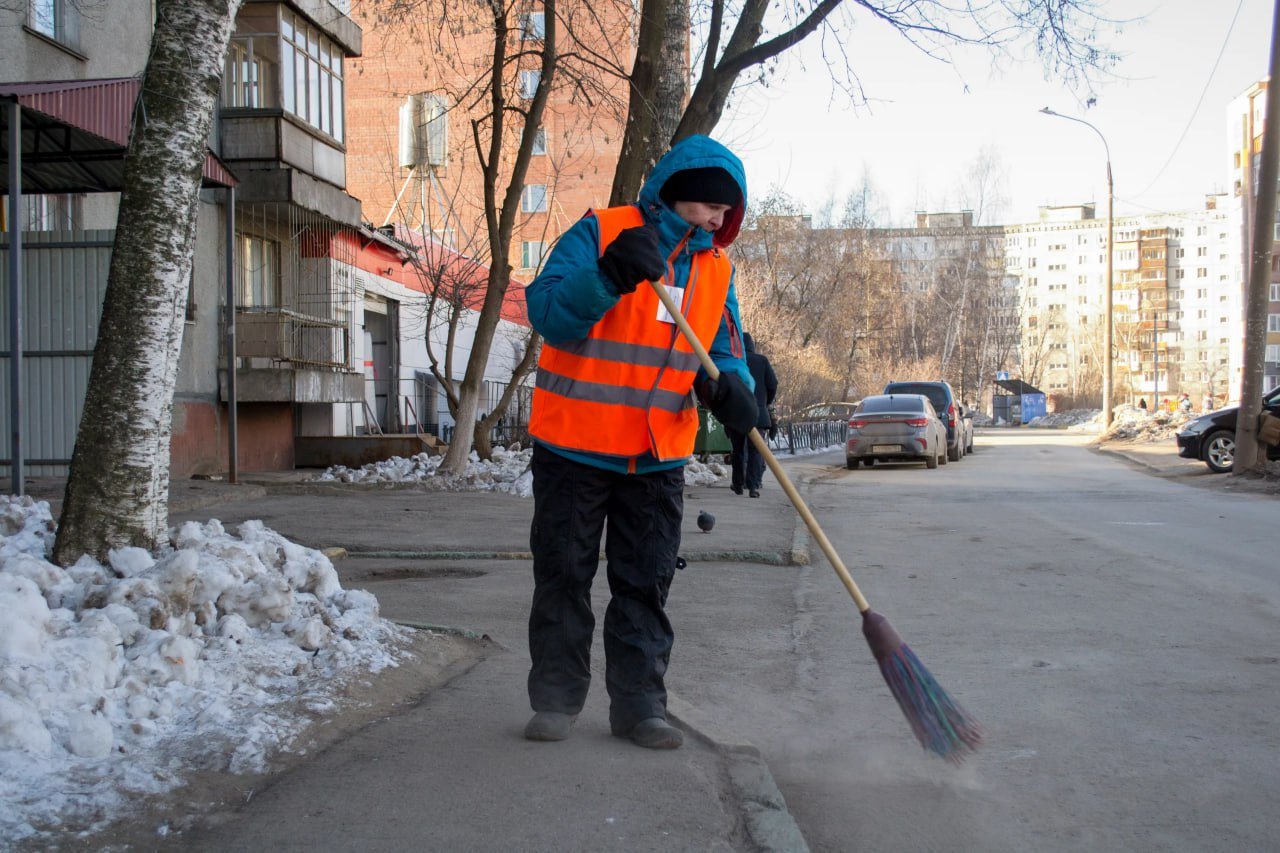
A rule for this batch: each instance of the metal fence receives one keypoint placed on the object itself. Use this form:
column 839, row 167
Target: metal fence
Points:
column 809, row 435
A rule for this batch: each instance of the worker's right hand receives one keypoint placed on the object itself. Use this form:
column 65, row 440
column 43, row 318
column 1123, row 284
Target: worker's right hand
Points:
column 631, row 258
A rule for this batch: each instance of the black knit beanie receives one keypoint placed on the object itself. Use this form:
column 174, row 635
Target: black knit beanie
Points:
column 709, row 184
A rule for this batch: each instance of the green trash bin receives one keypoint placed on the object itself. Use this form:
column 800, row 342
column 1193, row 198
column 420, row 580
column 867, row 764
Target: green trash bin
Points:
column 712, row 437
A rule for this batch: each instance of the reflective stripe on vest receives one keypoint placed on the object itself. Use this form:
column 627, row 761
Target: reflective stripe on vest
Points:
column 626, row 389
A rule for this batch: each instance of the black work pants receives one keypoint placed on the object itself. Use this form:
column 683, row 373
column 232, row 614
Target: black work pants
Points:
column 572, row 504
column 745, row 460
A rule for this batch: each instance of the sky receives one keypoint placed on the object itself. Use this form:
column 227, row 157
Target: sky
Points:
column 927, row 122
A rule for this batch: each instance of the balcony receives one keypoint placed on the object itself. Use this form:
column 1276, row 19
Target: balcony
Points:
column 287, row 356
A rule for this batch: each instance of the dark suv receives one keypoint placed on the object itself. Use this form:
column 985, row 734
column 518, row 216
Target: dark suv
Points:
column 1211, row 438
column 949, row 411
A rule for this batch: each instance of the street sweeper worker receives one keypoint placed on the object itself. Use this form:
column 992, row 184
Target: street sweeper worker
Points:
column 614, row 420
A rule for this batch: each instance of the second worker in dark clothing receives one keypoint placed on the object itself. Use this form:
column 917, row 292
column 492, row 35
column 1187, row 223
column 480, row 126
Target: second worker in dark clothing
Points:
column 748, row 464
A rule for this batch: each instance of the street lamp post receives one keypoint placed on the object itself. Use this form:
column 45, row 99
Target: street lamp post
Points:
column 1107, row 331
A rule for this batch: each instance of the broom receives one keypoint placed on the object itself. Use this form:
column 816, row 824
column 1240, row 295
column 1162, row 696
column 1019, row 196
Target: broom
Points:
column 939, row 723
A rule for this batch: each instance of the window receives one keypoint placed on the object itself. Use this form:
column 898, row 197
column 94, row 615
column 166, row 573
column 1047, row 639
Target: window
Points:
column 52, row 212
column 1273, row 322
column 1275, row 293
column 531, row 253
column 259, row 272
column 529, row 83
column 311, row 75
column 244, row 80
column 540, row 141
column 534, row 199
column 1273, row 352
column 533, row 26
column 57, row 19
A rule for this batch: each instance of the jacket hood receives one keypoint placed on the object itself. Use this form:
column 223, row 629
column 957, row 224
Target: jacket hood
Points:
column 696, row 152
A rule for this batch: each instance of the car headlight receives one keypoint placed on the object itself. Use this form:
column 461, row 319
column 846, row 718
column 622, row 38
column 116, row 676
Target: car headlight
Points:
column 1197, row 426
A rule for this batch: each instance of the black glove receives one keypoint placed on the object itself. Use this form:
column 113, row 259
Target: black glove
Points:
column 729, row 400
column 631, row 258
column 773, row 429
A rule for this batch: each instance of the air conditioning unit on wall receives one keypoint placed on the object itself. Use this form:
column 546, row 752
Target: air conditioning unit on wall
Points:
column 424, row 131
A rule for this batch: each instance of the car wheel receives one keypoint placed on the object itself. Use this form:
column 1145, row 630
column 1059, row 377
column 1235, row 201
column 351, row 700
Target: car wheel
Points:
column 953, row 453
column 942, row 459
column 850, row 462
column 931, row 462
column 868, row 462
column 1220, row 451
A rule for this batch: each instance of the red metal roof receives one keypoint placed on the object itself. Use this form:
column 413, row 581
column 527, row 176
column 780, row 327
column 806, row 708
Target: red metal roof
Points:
column 102, row 108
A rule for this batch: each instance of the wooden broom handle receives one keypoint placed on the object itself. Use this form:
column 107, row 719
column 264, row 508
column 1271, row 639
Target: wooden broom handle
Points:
column 762, row 446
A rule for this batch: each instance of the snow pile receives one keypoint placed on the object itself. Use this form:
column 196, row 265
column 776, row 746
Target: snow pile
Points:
column 1083, row 419
column 704, row 473
column 1130, row 423
column 508, row 471
column 117, row 680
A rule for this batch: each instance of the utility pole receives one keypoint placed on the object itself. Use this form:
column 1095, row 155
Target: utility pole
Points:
column 1107, row 330
column 1249, row 453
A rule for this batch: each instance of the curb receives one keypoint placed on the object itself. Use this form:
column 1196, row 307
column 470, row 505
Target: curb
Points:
column 770, row 825
column 768, row 558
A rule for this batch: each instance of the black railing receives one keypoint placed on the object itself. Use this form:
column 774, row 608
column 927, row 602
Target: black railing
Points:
column 809, row 435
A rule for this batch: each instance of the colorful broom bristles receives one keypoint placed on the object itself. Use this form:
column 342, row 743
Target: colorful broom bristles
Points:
column 939, row 723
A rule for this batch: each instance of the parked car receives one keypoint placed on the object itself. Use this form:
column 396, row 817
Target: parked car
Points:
column 895, row 428
column 825, row 412
column 944, row 402
column 1211, row 438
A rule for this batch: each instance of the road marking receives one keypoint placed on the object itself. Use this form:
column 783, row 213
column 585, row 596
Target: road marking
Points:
column 1140, row 523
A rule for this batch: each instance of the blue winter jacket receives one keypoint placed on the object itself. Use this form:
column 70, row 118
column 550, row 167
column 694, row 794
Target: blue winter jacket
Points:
column 571, row 295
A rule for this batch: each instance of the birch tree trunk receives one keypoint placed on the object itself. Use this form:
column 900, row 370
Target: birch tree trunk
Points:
column 118, row 489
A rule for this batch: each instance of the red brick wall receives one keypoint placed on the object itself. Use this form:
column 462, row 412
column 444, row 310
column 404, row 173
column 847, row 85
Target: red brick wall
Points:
column 583, row 130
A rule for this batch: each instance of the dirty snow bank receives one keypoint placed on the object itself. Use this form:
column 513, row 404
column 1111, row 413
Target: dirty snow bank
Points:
column 508, row 471
column 118, row 681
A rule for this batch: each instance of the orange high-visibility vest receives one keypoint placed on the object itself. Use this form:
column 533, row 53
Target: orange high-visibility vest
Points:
column 626, row 389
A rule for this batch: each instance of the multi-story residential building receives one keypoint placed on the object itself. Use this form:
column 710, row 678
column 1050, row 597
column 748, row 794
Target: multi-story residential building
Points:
column 322, row 347
column 411, row 154
column 1171, row 305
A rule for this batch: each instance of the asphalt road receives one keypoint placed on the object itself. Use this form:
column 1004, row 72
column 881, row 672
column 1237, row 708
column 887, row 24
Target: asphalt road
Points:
column 1117, row 634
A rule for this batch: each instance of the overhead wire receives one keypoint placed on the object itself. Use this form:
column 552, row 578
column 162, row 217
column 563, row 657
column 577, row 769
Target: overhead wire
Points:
column 1225, row 40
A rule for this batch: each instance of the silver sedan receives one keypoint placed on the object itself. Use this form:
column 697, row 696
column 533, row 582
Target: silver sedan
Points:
column 896, row 428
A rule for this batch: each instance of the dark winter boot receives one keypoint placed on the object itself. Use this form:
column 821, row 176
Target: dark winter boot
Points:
column 655, row 733
column 549, row 725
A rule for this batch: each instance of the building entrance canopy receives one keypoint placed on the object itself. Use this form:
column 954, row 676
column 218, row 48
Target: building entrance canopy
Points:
column 74, row 135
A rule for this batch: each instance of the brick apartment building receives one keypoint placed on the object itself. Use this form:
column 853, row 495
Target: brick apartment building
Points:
column 411, row 100
column 323, row 348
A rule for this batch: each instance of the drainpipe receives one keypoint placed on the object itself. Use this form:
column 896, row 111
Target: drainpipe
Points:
column 230, row 212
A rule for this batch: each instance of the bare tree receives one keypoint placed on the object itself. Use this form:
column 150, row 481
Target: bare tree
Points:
column 504, row 101
column 118, row 486
column 750, row 36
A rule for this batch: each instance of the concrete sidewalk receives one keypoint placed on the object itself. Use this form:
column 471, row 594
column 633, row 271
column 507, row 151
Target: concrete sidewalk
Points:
column 1161, row 459
column 451, row 770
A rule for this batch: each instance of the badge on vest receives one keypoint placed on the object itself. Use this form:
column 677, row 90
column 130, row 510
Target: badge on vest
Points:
column 677, row 296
